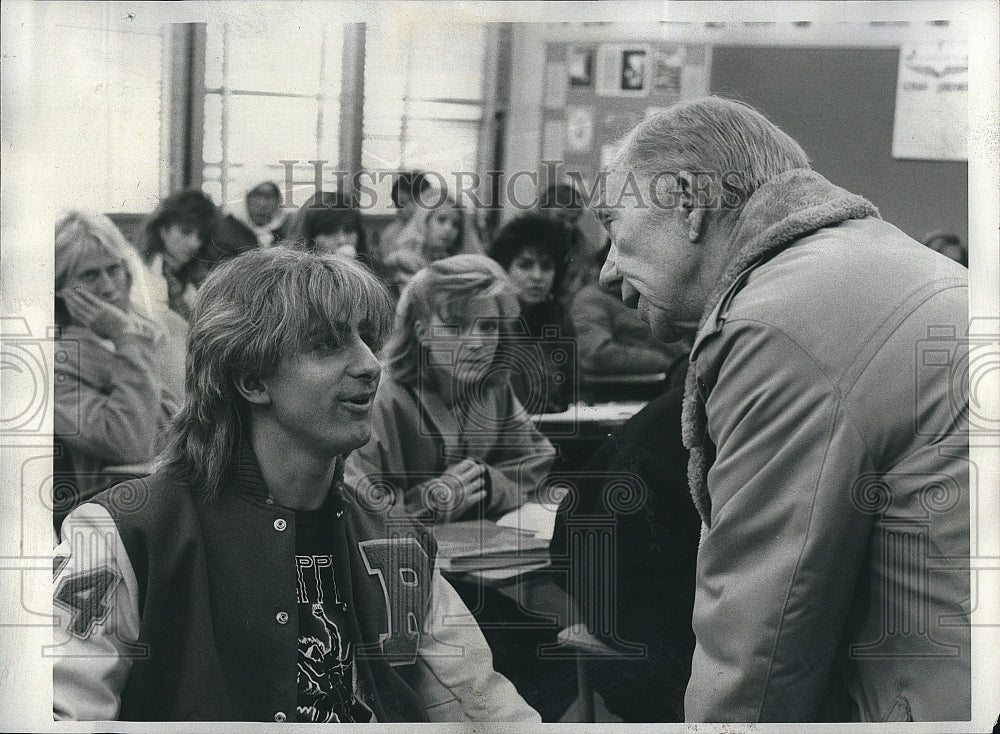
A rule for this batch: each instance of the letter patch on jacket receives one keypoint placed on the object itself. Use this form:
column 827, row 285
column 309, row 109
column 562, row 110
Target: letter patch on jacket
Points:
column 403, row 569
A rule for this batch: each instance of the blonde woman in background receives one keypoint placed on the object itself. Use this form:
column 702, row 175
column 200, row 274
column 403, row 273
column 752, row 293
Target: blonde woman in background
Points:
column 112, row 387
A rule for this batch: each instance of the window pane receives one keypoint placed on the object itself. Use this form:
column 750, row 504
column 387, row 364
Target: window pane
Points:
column 441, row 146
column 442, row 111
column 212, row 145
column 278, row 60
column 447, row 61
column 213, row 56
column 421, row 63
column 269, row 129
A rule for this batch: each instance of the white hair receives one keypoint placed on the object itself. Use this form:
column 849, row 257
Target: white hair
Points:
column 715, row 135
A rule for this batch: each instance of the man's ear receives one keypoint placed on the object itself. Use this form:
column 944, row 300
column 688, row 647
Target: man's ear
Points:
column 419, row 328
column 690, row 201
column 252, row 389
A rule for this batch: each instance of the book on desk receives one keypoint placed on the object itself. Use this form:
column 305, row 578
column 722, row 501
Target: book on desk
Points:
column 518, row 539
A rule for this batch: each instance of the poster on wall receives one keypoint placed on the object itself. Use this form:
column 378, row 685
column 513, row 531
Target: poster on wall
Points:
column 623, row 70
column 668, row 65
column 581, row 66
column 932, row 97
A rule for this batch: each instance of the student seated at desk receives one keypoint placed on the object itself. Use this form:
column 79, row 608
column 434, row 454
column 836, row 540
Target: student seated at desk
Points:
column 533, row 249
column 448, row 434
column 185, row 237
column 241, row 582
column 613, row 342
column 441, row 231
column 112, row 388
column 332, row 224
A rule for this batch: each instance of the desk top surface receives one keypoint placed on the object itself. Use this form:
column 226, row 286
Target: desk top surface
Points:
column 600, row 413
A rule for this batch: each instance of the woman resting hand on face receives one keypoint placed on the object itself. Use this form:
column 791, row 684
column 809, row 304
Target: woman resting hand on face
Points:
column 449, row 438
column 111, row 387
column 333, row 225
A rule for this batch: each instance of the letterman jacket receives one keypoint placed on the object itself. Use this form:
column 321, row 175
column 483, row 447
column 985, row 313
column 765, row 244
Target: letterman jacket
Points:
column 173, row 608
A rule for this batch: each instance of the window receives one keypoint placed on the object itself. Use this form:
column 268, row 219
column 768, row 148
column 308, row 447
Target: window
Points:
column 424, row 98
column 271, row 94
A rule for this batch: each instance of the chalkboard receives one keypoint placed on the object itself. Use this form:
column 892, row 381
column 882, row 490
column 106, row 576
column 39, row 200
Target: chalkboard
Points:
column 838, row 103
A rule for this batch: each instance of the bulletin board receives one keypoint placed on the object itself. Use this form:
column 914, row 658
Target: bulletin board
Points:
column 839, row 104
column 596, row 92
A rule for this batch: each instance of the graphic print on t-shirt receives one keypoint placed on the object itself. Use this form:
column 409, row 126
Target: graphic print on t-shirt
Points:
column 326, row 656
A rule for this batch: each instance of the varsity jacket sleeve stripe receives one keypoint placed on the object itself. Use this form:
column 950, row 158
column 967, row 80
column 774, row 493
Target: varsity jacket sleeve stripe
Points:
column 454, row 672
column 96, row 607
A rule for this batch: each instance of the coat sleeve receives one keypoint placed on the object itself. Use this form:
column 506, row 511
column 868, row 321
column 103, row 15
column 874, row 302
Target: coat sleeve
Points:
column 117, row 425
column 520, row 461
column 777, row 567
column 454, row 671
column 598, row 351
column 381, row 464
column 366, row 466
column 96, row 606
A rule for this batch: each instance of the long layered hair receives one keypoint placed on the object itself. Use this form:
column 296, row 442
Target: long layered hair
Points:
column 443, row 289
column 251, row 312
column 80, row 233
column 416, row 233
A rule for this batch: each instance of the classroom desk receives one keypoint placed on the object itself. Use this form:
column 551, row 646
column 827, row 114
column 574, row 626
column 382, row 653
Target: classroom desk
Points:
column 578, row 432
column 610, row 415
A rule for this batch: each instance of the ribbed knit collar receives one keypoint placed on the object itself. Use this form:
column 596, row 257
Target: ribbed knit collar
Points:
column 248, row 480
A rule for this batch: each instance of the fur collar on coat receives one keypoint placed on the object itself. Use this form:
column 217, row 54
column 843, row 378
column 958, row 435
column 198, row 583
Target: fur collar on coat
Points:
column 784, row 209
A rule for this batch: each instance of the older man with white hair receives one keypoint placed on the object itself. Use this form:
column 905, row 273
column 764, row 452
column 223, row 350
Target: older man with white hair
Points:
column 829, row 458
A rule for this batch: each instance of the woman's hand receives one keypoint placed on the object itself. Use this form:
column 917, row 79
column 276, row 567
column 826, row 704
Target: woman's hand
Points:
column 464, row 488
column 103, row 318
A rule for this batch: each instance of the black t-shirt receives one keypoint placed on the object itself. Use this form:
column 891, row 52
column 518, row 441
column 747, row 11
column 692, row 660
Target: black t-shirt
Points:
column 326, row 670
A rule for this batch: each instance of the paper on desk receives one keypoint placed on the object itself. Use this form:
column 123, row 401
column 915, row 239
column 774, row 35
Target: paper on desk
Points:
column 537, row 518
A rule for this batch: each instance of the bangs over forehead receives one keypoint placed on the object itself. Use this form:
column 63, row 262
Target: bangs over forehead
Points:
column 279, row 302
column 81, row 235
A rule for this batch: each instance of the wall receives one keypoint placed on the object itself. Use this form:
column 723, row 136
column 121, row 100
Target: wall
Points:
column 832, row 86
column 839, row 105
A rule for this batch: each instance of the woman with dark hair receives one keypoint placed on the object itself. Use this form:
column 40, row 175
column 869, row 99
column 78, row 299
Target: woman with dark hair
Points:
column 407, row 189
column 330, row 223
column 187, row 235
column 532, row 249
